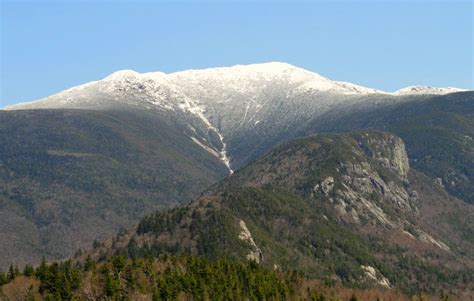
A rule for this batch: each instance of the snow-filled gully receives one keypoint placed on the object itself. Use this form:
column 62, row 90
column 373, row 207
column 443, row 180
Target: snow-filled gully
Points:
column 197, row 111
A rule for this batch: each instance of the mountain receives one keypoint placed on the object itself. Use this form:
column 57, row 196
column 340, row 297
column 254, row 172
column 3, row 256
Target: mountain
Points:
column 206, row 87
column 246, row 108
column 228, row 102
column 82, row 164
column 343, row 207
column 194, row 87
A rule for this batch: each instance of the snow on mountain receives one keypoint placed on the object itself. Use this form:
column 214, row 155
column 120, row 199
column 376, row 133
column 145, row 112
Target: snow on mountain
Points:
column 168, row 90
column 241, row 79
column 219, row 101
column 246, row 78
column 421, row 90
column 222, row 105
column 194, row 87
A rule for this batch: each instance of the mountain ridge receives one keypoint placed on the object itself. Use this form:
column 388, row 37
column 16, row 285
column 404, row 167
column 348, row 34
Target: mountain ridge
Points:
column 309, row 80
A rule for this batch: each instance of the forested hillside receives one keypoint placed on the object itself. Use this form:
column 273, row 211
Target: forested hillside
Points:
column 180, row 278
column 68, row 177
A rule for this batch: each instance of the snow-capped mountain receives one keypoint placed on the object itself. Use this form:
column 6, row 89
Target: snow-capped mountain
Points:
column 198, row 86
column 193, row 88
column 105, row 152
column 218, row 102
column 225, row 105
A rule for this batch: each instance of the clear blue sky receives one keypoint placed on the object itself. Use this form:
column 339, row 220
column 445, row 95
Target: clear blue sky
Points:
column 49, row 46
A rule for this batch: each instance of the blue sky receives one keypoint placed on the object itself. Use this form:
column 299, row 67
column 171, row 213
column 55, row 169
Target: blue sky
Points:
column 49, row 46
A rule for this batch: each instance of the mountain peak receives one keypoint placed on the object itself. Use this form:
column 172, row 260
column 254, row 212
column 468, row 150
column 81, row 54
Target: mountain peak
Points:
column 268, row 69
column 126, row 73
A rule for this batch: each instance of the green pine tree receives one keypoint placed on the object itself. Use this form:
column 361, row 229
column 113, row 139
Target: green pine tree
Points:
column 89, row 265
column 11, row 273
column 28, row 270
column 3, row 278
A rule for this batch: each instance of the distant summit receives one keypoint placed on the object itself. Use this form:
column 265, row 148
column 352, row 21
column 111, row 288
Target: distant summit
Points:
column 157, row 86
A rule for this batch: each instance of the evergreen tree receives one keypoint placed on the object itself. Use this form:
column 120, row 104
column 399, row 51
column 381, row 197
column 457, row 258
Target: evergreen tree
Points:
column 11, row 273
column 111, row 285
column 133, row 249
column 118, row 262
column 28, row 270
column 42, row 270
column 89, row 265
column 3, row 278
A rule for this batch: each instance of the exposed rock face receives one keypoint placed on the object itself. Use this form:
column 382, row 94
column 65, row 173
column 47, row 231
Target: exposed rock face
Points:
column 326, row 186
column 255, row 252
column 360, row 188
column 365, row 190
column 390, row 152
column 374, row 186
column 376, row 276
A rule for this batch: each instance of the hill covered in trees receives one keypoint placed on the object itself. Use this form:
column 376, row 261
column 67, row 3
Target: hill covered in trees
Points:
column 178, row 278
